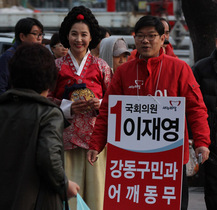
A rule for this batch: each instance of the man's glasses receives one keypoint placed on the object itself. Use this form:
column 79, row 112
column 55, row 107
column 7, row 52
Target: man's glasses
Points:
column 149, row 37
column 38, row 35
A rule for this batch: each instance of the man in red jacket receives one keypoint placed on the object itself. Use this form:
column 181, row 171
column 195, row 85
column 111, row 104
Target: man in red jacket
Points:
column 161, row 75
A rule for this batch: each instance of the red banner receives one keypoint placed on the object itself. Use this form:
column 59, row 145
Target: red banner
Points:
column 142, row 180
column 111, row 5
column 145, row 153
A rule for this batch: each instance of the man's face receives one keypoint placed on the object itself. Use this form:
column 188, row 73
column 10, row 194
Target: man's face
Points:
column 148, row 42
column 35, row 36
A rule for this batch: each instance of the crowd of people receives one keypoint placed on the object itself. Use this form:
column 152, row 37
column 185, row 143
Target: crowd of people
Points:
column 54, row 107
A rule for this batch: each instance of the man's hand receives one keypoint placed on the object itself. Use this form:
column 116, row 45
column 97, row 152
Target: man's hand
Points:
column 92, row 156
column 204, row 151
column 73, row 189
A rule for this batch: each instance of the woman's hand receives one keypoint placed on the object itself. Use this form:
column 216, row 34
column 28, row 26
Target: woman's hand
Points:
column 82, row 106
column 94, row 103
column 79, row 106
column 92, row 156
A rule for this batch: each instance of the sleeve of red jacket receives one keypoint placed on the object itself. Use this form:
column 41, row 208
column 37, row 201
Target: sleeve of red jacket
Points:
column 195, row 107
column 99, row 136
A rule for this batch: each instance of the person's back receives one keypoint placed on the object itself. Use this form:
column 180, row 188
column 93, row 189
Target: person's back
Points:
column 32, row 174
column 22, row 115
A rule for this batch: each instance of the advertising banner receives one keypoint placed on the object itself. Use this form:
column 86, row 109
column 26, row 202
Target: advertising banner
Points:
column 145, row 152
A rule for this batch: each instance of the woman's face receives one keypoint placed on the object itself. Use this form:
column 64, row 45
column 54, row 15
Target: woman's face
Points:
column 59, row 50
column 79, row 38
column 118, row 60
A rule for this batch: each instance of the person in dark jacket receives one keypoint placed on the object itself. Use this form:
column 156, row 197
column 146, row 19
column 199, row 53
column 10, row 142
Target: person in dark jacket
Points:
column 205, row 71
column 31, row 153
column 28, row 30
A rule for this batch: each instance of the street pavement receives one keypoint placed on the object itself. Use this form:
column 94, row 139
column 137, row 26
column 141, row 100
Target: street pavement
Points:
column 196, row 199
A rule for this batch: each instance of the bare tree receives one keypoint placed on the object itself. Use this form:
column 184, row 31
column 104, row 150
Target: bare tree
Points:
column 9, row 3
column 201, row 18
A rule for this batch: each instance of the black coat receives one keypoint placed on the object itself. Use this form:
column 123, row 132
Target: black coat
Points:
column 205, row 72
column 4, row 72
column 31, row 152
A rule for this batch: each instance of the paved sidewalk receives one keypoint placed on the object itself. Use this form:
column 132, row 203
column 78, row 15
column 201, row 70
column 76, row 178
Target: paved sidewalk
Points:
column 196, row 199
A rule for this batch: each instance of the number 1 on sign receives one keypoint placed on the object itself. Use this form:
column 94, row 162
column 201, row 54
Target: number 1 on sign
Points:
column 117, row 109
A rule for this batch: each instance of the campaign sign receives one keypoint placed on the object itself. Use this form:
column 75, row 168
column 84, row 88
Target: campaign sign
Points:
column 145, row 152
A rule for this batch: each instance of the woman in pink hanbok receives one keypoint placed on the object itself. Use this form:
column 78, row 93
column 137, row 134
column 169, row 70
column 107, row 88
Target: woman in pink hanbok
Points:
column 82, row 82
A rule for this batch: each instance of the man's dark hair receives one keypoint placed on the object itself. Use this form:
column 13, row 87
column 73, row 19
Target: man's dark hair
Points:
column 33, row 67
column 71, row 19
column 25, row 25
column 103, row 32
column 54, row 39
column 45, row 41
column 148, row 20
column 163, row 19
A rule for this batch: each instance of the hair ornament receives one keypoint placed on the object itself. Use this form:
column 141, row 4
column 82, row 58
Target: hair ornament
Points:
column 80, row 17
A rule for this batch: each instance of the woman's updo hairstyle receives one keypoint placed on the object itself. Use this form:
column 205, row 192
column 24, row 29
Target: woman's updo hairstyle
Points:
column 77, row 15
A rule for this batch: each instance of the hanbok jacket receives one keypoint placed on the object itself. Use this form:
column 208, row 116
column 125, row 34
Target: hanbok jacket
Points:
column 94, row 75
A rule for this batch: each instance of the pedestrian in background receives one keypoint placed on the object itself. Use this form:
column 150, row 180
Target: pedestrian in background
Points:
column 205, row 72
column 167, row 47
column 159, row 75
column 104, row 33
column 56, row 46
column 114, row 51
column 32, row 174
column 82, row 82
column 27, row 30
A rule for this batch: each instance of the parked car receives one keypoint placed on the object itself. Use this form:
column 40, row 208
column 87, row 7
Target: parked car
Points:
column 6, row 41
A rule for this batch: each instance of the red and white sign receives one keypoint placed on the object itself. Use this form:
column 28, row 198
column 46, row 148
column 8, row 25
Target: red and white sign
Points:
column 145, row 152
